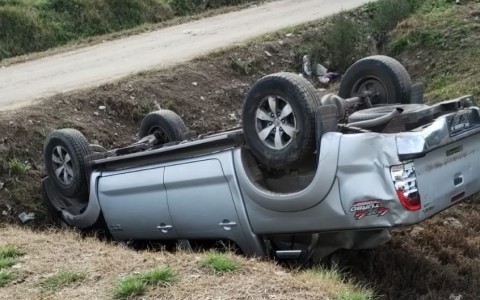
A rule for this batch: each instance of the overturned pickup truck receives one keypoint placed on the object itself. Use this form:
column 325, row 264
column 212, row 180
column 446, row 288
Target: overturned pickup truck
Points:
column 304, row 176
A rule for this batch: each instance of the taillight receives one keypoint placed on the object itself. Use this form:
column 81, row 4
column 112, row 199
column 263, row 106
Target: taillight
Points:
column 405, row 181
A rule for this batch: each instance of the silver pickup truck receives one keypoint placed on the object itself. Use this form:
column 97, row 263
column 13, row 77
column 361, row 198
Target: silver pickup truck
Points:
column 304, row 176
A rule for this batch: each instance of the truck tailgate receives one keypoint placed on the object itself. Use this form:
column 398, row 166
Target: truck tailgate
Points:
column 447, row 160
column 448, row 175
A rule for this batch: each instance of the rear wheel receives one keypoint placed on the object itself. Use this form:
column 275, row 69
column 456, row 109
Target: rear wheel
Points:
column 165, row 124
column 384, row 76
column 279, row 119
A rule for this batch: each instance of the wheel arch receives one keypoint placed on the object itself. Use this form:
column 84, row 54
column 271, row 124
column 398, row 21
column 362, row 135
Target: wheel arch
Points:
column 312, row 195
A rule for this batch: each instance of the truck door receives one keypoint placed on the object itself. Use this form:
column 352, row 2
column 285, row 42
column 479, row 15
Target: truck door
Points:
column 200, row 201
column 134, row 205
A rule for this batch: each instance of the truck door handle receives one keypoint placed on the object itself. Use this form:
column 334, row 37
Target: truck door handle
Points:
column 227, row 224
column 165, row 228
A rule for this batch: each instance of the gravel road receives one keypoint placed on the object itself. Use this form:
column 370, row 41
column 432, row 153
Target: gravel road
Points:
column 22, row 84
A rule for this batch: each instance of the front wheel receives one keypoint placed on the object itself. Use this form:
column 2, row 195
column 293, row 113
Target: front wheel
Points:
column 64, row 154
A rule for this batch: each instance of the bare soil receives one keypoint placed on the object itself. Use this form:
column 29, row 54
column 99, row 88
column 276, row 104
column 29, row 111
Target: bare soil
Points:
column 435, row 260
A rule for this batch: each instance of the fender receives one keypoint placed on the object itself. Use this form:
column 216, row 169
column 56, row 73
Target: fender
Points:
column 91, row 213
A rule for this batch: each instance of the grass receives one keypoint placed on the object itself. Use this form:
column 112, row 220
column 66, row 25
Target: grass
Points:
column 62, row 279
column 136, row 285
column 388, row 13
column 129, row 287
column 5, row 277
column 446, row 38
column 335, row 284
column 159, row 277
column 9, row 252
column 220, row 263
column 8, row 257
column 358, row 295
column 17, row 167
column 7, row 262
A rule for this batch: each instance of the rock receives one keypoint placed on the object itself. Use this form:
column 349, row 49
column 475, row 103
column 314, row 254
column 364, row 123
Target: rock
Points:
column 455, row 297
column 96, row 113
column 307, row 68
column 25, row 217
column 453, row 222
column 194, row 83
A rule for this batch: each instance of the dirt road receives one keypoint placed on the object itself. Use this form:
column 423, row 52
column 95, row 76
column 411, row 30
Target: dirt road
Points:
column 21, row 84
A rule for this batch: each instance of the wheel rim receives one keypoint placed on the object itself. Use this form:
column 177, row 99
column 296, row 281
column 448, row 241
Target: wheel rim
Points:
column 373, row 85
column 62, row 165
column 276, row 122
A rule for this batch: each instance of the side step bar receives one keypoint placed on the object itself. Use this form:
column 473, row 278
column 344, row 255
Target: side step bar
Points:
column 302, row 256
column 288, row 254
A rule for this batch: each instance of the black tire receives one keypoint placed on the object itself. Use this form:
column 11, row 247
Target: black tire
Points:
column 380, row 73
column 294, row 145
column 164, row 123
column 377, row 112
column 71, row 180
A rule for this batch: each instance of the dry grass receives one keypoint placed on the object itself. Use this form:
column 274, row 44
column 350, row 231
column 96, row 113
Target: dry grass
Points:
column 333, row 282
column 105, row 264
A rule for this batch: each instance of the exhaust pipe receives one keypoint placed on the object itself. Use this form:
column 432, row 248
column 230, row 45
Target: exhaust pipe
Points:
column 377, row 121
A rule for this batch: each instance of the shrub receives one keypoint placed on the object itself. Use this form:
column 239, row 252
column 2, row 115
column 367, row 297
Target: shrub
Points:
column 336, row 46
column 184, row 7
column 22, row 31
column 391, row 12
column 129, row 13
